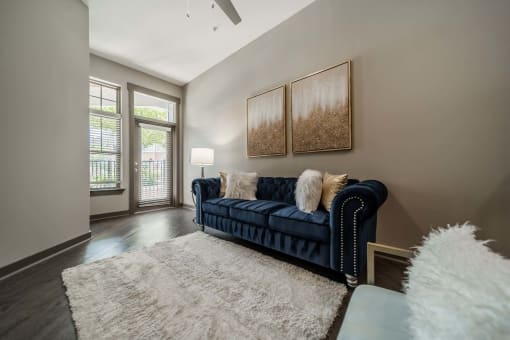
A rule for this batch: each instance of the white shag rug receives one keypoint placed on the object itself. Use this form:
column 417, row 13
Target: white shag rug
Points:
column 199, row 287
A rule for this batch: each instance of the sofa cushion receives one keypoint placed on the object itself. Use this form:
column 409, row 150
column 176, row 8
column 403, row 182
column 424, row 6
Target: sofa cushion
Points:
column 255, row 212
column 219, row 206
column 292, row 221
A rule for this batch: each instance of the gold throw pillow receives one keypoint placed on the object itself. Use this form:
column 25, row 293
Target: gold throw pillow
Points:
column 223, row 183
column 331, row 185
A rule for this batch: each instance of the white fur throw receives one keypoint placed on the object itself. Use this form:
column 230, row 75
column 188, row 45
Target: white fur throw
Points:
column 242, row 185
column 458, row 288
column 309, row 190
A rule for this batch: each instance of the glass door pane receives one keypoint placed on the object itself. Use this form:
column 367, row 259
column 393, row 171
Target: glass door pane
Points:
column 155, row 166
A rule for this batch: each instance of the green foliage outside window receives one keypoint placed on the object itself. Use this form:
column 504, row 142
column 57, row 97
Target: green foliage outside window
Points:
column 151, row 137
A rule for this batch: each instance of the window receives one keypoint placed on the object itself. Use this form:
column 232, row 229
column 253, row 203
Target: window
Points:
column 147, row 106
column 154, row 117
column 104, row 135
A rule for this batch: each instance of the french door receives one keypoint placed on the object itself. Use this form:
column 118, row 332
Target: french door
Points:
column 153, row 166
column 154, row 150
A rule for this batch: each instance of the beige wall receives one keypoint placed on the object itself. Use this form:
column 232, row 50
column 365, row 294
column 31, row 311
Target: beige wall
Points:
column 431, row 101
column 44, row 67
column 121, row 75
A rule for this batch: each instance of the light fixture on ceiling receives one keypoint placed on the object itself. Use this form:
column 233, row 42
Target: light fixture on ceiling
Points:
column 215, row 27
column 188, row 13
column 226, row 6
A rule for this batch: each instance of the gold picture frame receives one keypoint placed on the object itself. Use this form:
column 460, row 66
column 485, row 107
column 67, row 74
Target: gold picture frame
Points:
column 266, row 123
column 321, row 110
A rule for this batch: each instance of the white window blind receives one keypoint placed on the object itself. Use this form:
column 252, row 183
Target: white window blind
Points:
column 156, row 172
column 104, row 136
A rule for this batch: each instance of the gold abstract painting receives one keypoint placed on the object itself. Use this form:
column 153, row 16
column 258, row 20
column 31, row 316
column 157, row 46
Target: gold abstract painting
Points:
column 266, row 123
column 321, row 110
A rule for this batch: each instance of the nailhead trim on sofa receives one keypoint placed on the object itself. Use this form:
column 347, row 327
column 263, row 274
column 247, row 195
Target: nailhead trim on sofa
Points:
column 355, row 246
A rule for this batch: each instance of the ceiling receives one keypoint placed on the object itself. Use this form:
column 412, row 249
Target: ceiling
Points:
column 154, row 36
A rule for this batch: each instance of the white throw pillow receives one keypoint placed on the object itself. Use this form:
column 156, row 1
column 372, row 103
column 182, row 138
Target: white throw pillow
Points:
column 241, row 185
column 309, row 190
column 458, row 288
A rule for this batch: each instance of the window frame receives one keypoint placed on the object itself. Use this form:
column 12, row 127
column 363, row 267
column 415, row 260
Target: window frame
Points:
column 177, row 141
column 114, row 190
column 158, row 96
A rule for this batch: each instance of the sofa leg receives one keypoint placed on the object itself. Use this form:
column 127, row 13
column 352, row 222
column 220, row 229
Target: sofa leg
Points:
column 352, row 281
column 203, row 227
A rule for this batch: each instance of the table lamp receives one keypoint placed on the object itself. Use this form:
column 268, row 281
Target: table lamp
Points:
column 202, row 157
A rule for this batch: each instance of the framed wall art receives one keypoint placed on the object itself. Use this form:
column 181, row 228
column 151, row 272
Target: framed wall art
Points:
column 266, row 123
column 321, row 110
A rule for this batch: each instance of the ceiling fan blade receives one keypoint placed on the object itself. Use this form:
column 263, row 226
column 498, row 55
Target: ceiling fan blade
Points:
column 230, row 10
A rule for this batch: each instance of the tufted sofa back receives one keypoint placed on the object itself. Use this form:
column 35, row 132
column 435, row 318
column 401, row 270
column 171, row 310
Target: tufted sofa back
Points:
column 277, row 189
column 281, row 189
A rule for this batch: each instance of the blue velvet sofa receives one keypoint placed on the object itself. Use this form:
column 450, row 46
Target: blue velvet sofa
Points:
column 335, row 240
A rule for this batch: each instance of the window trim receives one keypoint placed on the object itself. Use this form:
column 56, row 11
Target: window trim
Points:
column 105, row 113
column 106, row 192
column 108, row 114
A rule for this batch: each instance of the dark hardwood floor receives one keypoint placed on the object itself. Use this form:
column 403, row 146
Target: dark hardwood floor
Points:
column 33, row 304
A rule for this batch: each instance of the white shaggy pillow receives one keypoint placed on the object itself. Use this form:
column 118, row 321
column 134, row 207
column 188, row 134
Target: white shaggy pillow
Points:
column 458, row 288
column 241, row 185
column 309, row 190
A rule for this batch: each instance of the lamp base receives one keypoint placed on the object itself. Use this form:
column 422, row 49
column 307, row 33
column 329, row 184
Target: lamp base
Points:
column 202, row 171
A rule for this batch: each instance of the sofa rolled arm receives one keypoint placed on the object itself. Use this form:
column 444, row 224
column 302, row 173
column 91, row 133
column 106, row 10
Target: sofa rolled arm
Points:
column 353, row 220
column 204, row 189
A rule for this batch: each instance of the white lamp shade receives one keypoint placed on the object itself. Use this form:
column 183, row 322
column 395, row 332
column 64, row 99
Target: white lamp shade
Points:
column 202, row 156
